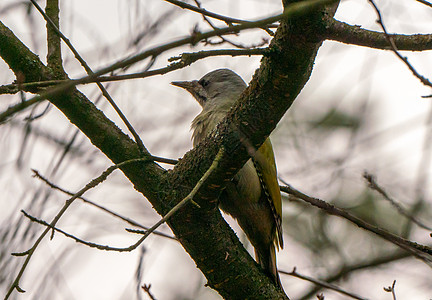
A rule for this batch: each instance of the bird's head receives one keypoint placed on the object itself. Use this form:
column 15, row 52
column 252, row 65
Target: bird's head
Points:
column 218, row 87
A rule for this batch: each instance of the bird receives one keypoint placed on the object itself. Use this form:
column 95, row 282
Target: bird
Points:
column 253, row 196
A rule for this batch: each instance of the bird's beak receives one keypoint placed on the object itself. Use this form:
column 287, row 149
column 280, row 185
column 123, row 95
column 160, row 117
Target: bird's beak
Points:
column 193, row 87
column 187, row 85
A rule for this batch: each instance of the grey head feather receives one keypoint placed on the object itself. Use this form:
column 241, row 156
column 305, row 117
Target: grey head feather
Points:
column 222, row 84
column 222, row 87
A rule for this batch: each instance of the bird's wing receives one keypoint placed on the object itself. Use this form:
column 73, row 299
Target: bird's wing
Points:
column 266, row 166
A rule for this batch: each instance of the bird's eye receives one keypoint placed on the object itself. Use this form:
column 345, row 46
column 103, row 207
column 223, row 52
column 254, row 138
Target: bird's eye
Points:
column 204, row 83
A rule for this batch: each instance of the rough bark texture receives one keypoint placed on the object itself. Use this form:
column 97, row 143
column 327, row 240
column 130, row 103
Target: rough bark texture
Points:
column 202, row 231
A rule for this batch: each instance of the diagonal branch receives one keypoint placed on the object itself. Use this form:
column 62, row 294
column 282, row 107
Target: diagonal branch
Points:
column 204, row 12
column 420, row 251
column 322, row 284
column 374, row 186
column 112, row 213
column 425, row 2
column 395, row 50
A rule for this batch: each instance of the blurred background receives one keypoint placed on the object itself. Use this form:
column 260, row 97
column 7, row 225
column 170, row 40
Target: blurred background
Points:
column 361, row 111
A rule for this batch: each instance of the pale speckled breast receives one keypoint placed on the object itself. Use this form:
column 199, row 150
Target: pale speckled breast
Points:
column 204, row 123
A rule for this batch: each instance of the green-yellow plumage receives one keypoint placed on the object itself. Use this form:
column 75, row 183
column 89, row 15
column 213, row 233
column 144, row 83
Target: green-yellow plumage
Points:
column 253, row 196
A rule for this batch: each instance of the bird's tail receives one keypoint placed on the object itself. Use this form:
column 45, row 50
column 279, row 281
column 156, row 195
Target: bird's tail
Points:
column 267, row 260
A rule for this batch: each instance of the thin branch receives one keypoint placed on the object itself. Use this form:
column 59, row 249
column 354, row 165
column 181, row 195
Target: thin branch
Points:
column 54, row 57
column 90, row 72
column 139, row 273
column 373, row 185
column 127, row 220
column 395, row 50
column 11, row 110
column 164, row 160
column 71, row 236
column 207, row 13
column 322, row 283
column 184, row 60
column 421, row 186
column 146, row 288
column 425, row 2
column 420, row 251
column 204, row 12
column 224, row 40
column 14, row 88
column 391, row 289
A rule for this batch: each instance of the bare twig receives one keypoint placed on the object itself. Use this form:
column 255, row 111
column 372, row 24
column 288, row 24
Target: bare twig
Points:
column 146, row 288
column 14, row 88
column 207, row 13
column 321, row 283
column 71, row 236
column 11, row 110
column 391, row 289
column 189, row 57
column 420, row 251
column 139, row 272
column 425, row 2
column 373, row 185
column 164, row 160
column 225, row 40
column 423, row 167
column 127, row 220
column 389, row 38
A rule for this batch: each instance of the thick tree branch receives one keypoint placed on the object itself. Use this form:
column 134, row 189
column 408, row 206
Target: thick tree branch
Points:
column 24, row 63
column 355, row 35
